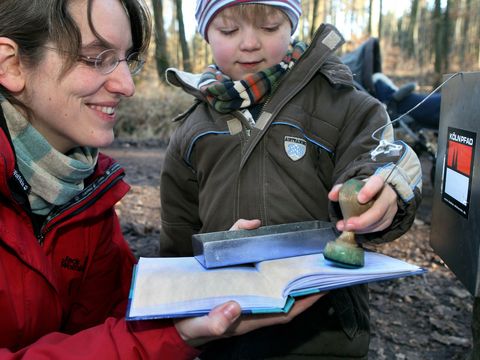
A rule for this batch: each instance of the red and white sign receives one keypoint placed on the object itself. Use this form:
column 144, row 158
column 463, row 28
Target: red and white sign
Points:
column 458, row 170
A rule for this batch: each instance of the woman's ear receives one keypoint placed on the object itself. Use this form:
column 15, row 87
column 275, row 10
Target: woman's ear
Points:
column 11, row 74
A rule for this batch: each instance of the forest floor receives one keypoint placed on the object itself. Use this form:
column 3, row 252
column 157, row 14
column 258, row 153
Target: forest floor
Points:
column 419, row 318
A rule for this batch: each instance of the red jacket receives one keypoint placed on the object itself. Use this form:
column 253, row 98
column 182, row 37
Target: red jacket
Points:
column 64, row 288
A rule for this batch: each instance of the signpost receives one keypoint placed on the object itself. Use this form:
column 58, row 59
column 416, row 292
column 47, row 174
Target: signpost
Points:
column 455, row 228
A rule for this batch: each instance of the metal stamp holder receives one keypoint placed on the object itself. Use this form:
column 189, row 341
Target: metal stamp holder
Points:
column 226, row 248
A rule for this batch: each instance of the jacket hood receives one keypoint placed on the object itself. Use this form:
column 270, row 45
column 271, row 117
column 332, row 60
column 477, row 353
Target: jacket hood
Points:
column 186, row 81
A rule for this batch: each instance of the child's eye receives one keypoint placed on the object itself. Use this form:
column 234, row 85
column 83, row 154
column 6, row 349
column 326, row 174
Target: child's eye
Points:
column 270, row 28
column 228, row 32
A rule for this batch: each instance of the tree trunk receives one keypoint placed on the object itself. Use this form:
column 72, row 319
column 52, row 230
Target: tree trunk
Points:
column 446, row 38
column 325, row 11
column 187, row 65
column 161, row 53
column 465, row 31
column 314, row 18
column 437, row 40
column 380, row 20
column 412, row 26
column 422, row 37
column 370, row 20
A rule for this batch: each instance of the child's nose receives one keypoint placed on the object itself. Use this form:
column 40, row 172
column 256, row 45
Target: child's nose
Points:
column 250, row 41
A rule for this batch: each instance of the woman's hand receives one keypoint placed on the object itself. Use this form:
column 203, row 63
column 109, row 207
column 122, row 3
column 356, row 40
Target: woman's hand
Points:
column 379, row 216
column 225, row 321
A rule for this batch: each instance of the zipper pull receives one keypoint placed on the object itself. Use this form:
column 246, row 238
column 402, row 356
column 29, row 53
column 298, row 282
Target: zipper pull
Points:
column 249, row 118
column 40, row 239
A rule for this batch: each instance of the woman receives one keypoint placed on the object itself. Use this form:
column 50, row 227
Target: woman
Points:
column 64, row 266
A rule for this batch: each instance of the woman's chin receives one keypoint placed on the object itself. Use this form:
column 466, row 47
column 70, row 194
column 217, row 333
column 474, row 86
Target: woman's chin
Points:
column 101, row 142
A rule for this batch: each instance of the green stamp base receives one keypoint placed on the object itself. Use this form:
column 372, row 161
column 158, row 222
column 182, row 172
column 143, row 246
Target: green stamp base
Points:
column 344, row 255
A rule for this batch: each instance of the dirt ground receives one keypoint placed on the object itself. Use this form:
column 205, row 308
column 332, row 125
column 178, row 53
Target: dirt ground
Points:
column 421, row 317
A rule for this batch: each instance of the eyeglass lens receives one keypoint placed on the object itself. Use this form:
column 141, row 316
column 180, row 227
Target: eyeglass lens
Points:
column 107, row 61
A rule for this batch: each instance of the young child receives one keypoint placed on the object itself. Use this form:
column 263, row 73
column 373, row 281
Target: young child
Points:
column 276, row 128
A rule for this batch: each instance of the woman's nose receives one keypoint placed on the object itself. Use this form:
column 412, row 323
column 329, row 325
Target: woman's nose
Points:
column 120, row 80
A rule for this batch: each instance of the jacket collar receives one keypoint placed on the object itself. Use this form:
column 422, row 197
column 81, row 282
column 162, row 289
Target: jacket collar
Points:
column 317, row 58
column 326, row 41
column 12, row 183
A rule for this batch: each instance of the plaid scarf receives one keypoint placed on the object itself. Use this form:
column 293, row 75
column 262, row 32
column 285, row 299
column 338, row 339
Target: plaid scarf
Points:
column 55, row 178
column 226, row 95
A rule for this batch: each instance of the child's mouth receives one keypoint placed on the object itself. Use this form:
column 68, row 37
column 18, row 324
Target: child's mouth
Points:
column 249, row 65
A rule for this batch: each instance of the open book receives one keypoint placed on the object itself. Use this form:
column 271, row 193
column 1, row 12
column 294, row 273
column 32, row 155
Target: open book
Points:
column 181, row 287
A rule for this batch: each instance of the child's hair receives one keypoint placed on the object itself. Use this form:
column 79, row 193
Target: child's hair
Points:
column 254, row 13
column 206, row 10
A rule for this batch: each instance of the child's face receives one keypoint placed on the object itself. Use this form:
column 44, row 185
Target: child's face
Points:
column 244, row 45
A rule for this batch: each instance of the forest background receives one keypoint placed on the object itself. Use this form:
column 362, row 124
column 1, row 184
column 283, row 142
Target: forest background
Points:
column 420, row 40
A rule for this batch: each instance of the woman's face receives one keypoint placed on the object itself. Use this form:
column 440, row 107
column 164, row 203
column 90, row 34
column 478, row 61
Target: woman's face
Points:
column 79, row 108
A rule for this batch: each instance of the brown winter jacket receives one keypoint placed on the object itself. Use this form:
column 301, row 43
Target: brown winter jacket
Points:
column 315, row 131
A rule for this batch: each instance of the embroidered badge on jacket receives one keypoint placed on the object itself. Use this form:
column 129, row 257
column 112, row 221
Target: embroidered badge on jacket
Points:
column 295, row 147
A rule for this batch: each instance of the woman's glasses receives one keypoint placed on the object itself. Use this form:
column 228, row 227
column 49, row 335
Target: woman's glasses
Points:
column 107, row 61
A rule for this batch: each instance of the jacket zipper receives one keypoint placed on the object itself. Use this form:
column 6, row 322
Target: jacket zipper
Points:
column 274, row 112
column 111, row 172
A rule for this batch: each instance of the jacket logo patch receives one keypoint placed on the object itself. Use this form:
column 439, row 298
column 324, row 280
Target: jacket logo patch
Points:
column 295, row 147
column 73, row 264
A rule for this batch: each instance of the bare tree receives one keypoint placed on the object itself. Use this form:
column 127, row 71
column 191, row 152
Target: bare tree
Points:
column 466, row 25
column 187, row 65
column 437, row 40
column 314, row 18
column 380, row 20
column 370, row 20
column 326, row 4
column 161, row 53
column 446, row 26
column 412, row 27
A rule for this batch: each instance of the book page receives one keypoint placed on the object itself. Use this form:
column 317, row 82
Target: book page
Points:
column 184, row 282
column 313, row 271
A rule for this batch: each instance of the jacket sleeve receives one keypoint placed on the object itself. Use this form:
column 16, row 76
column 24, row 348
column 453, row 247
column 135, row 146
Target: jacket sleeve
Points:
column 396, row 162
column 114, row 339
column 179, row 205
column 95, row 327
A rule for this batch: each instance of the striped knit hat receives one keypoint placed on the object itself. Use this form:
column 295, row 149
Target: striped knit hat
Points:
column 207, row 9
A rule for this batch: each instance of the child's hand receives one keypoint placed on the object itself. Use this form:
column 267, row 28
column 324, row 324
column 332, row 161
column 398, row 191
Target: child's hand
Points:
column 379, row 216
column 242, row 224
column 225, row 321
